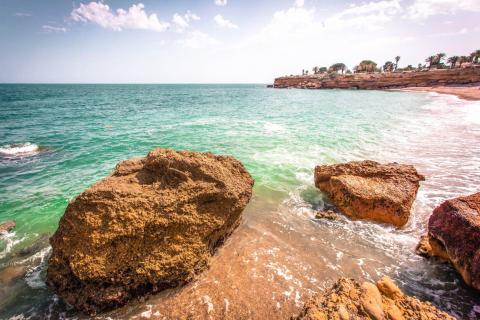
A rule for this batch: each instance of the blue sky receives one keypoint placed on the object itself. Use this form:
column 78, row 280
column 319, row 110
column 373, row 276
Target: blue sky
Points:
column 214, row 41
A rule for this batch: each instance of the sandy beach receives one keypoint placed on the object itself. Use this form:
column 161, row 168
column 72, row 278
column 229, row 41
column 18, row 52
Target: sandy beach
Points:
column 471, row 92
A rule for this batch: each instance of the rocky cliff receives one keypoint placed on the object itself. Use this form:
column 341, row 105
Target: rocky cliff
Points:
column 382, row 80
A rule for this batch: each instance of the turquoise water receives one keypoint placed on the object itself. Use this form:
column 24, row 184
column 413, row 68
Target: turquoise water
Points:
column 73, row 135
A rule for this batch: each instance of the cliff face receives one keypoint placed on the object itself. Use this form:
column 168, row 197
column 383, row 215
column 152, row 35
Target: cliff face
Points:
column 382, row 80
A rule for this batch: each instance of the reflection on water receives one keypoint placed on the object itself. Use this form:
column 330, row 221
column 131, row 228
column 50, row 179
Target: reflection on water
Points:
column 280, row 255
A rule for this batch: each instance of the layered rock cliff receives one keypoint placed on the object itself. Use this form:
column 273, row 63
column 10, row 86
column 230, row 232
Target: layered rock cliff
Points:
column 389, row 80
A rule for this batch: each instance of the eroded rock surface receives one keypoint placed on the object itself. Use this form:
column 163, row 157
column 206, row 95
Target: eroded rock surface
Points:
column 454, row 235
column 370, row 190
column 152, row 224
column 348, row 299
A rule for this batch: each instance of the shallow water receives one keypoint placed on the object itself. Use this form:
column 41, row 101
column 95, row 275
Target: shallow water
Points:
column 280, row 254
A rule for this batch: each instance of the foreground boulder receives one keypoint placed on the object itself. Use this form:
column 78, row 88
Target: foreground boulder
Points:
column 370, row 190
column 152, row 224
column 454, row 235
column 347, row 299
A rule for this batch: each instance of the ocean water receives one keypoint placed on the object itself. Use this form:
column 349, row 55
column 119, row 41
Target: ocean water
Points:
column 56, row 140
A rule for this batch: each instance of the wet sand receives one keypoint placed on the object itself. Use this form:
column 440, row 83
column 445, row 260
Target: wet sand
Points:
column 467, row 92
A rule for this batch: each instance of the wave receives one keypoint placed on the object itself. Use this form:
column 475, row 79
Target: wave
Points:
column 22, row 149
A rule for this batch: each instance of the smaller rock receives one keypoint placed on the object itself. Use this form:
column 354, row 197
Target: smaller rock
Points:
column 368, row 301
column 388, row 288
column 371, row 301
column 430, row 247
column 328, row 214
column 7, row 226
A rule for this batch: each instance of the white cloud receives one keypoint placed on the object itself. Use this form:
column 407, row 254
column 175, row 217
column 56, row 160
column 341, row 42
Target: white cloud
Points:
column 224, row 23
column 52, row 29
column 134, row 18
column 371, row 15
column 299, row 3
column 221, row 2
column 422, row 9
column 197, row 39
column 183, row 21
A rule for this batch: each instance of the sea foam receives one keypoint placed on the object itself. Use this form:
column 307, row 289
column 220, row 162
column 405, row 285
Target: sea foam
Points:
column 22, row 149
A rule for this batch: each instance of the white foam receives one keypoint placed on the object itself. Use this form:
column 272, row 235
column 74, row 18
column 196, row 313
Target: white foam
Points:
column 22, row 149
column 11, row 240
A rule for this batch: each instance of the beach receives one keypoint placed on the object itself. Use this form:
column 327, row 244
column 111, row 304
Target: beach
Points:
column 467, row 92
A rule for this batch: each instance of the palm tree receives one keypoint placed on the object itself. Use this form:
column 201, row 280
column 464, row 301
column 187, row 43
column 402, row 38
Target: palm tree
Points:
column 397, row 58
column 475, row 56
column 453, row 61
column 338, row 67
column 439, row 57
column 389, row 66
column 431, row 61
column 366, row 66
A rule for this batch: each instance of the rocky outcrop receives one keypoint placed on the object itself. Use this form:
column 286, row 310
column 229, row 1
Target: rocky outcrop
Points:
column 152, row 224
column 7, row 226
column 454, row 235
column 370, row 190
column 347, row 299
column 440, row 77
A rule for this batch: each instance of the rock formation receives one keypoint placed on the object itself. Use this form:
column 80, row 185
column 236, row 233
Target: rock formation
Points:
column 370, row 190
column 386, row 80
column 7, row 226
column 152, row 224
column 454, row 235
column 347, row 299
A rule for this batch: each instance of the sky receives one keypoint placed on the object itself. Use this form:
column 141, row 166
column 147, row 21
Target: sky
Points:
column 221, row 41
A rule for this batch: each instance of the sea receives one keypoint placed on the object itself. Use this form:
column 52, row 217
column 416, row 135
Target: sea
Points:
column 58, row 139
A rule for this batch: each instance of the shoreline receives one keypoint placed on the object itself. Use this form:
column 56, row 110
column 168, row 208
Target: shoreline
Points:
column 470, row 93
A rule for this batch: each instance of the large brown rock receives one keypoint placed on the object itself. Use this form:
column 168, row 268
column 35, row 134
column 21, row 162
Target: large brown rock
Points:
column 348, row 299
column 152, row 224
column 370, row 190
column 454, row 235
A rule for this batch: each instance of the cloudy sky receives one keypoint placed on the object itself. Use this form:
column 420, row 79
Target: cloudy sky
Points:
column 211, row 41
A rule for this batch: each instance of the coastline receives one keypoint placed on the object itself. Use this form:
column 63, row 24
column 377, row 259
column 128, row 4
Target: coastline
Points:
column 471, row 93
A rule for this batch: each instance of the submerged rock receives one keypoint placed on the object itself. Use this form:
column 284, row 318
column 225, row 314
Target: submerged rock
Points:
column 348, row 299
column 327, row 214
column 454, row 235
column 7, row 226
column 152, row 224
column 370, row 190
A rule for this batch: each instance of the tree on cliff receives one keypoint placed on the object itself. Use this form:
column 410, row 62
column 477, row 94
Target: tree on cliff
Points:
column 431, row 61
column 453, row 61
column 439, row 57
column 337, row 67
column 322, row 69
column 389, row 66
column 397, row 58
column 315, row 70
column 475, row 55
column 366, row 66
